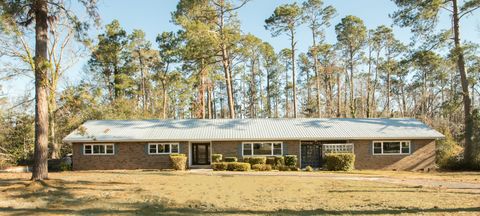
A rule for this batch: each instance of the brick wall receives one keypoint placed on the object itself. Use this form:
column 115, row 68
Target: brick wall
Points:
column 422, row 157
column 127, row 156
column 133, row 156
column 233, row 148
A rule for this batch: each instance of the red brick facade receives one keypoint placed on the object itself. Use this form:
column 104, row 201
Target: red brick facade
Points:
column 135, row 156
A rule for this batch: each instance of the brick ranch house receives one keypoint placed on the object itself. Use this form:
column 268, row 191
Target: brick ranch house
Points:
column 395, row 144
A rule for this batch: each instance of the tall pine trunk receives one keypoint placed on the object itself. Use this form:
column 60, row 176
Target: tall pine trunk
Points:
column 40, row 166
column 226, row 63
column 469, row 153
column 317, row 72
column 353, row 106
column 293, row 75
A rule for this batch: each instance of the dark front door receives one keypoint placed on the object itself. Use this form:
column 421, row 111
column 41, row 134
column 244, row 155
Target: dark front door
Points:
column 200, row 153
column 311, row 154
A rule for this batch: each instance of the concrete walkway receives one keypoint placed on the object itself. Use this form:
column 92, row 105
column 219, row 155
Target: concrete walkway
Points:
column 415, row 182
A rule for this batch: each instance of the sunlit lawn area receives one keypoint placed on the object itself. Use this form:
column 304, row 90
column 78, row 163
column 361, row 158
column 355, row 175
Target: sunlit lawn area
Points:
column 183, row 193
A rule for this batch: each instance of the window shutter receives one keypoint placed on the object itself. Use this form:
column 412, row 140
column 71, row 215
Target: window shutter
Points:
column 81, row 149
column 115, row 149
column 285, row 148
column 239, row 150
column 370, row 149
column 412, row 147
column 145, row 149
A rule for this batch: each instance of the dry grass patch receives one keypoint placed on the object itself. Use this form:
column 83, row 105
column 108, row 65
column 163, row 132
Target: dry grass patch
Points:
column 181, row 193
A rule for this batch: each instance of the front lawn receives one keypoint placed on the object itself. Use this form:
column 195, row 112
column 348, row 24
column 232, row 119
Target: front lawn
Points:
column 184, row 193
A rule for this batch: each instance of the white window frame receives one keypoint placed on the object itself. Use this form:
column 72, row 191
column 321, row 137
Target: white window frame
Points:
column 104, row 146
column 336, row 145
column 271, row 149
column 400, row 153
column 163, row 153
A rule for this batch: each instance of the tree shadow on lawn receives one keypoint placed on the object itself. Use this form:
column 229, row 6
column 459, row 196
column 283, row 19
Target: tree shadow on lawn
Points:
column 58, row 193
column 160, row 209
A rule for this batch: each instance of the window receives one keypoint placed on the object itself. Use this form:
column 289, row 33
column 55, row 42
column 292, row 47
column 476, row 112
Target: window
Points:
column 163, row 148
column 98, row 149
column 247, row 149
column 262, row 148
column 338, row 148
column 391, row 147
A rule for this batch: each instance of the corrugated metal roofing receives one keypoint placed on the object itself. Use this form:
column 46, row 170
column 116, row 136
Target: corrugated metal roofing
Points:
column 251, row 129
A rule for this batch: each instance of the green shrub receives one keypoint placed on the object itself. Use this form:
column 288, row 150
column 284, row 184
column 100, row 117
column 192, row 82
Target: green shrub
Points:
column 271, row 161
column 290, row 160
column 216, row 158
column 448, row 151
column 230, row 159
column 219, row 166
column 309, row 169
column 255, row 160
column 179, row 161
column 287, row 168
column 246, row 159
column 65, row 167
column 262, row 167
column 279, row 161
column 238, row 166
column 340, row 161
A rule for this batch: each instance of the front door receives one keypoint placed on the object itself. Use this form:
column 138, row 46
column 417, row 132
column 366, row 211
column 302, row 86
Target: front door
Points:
column 311, row 154
column 200, row 153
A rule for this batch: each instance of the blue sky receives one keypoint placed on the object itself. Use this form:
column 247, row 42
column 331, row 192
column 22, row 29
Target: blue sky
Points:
column 153, row 17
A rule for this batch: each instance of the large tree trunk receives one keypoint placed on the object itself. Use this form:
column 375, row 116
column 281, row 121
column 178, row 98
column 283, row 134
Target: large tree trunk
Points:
column 226, row 64
column 469, row 153
column 293, row 75
column 40, row 166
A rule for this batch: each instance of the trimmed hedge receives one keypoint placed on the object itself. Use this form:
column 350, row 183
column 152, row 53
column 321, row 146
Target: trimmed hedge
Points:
column 179, row 161
column 255, row 160
column 290, row 160
column 340, row 161
column 288, row 168
column 230, row 159
column 216, row 158
column 279, row 161
column 262, row 167
column 238, row 166
column 219, row 166
column 271, row 161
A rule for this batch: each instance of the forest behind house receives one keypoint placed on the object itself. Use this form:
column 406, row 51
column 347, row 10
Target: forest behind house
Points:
column 212, row 69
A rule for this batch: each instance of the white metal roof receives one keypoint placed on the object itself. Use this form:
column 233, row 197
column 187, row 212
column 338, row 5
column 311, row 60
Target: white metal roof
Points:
column 250, row 129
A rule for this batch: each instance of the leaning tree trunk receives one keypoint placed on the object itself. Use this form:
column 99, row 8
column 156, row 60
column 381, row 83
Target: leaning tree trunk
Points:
column 40, row 166
column 469, row 145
